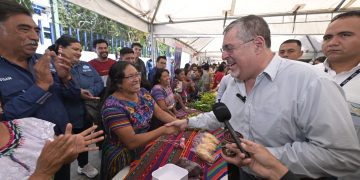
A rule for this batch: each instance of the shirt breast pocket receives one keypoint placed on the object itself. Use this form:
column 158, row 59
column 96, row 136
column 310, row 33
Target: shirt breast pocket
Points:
column 87, row 79
column 11, row 89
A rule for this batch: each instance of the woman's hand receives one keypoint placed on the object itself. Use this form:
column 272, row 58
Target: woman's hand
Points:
column 86, row 95
column 170, row 130
column 181, row 124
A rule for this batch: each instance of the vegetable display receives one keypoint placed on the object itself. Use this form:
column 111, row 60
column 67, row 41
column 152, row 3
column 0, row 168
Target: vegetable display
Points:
column 205, row 103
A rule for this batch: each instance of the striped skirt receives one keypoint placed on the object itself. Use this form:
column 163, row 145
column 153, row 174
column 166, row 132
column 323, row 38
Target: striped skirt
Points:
column 114, row 158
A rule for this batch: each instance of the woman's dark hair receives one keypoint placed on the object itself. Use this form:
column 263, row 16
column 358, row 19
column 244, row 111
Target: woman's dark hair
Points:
column 199, row 69
column 116, row 76
column 193, row 65
column 187, row 66
column 178, row 71
column 65, row 41
column 51, row 47
column 187, row 71
column 206, row 66
column 221, row 68
column 158, row 74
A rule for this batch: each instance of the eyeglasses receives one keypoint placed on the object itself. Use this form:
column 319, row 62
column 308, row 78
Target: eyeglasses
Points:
column 132, row 77
column 231, row 48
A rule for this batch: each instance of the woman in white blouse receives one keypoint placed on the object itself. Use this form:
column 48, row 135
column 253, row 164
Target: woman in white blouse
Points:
column 29, row 150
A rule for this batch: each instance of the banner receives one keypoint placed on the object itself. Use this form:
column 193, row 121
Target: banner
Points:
column 177, row 57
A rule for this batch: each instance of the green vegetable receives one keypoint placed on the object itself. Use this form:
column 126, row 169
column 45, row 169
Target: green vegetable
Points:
column 205, row 103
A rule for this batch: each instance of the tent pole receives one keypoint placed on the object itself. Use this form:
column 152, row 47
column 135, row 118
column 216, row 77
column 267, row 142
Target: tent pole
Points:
column 339, row 6
column 55, row 17
column 312, row 45
column 153, row 43
column 155, row 13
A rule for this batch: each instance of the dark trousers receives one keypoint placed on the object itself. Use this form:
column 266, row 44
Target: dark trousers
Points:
column 83, row 157
column 233, row 172
column 63, row 173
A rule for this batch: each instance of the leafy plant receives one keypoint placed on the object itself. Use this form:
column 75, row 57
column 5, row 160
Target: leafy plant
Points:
column 207, row 100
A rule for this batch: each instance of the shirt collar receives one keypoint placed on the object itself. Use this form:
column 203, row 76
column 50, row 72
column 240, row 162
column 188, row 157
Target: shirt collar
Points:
column 272, row 68
column 327, row 66
column 31, row 60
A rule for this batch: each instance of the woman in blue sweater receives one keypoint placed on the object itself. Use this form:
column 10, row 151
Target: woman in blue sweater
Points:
column 91, row 86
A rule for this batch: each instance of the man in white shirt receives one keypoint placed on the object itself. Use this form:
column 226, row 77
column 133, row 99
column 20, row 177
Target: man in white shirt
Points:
column 341, row 44
column 298, row 113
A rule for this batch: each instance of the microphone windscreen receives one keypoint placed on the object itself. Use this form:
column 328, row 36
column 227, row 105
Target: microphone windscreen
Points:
column 221, row 112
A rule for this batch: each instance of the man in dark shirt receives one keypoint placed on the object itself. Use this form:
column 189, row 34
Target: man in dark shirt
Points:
column 149, row 65
column 30, row 85
column 140, row 65
column 160, row 64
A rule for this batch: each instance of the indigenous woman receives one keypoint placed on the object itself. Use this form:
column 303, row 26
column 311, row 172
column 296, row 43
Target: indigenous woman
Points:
column 126, row 114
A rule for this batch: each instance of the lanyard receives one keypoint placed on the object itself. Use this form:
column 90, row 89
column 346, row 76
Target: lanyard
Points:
column 348, row 78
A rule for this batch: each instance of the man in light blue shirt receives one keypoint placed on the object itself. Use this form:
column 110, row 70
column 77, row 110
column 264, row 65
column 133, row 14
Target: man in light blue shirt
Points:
column 298, row 113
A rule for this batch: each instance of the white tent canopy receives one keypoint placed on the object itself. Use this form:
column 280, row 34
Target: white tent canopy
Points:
column 197, row 25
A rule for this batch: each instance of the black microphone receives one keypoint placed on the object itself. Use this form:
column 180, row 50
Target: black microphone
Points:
column 223, row 114
column 242, row 98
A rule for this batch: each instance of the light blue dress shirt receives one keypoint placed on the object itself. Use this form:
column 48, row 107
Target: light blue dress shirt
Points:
column 299, row 114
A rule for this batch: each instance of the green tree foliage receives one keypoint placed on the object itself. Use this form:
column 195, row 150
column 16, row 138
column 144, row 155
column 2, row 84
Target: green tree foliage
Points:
column 163, row 49
column 76, row 17
column 27, row 4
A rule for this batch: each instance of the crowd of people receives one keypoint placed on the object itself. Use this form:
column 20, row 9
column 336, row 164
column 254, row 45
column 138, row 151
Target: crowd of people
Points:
column 298, row 120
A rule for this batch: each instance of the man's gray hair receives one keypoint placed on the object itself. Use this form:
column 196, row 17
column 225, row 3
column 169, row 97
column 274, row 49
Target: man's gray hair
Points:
column 248, row 27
